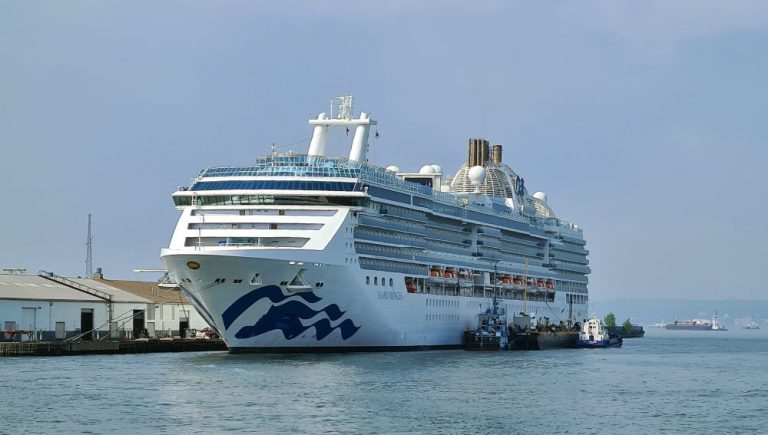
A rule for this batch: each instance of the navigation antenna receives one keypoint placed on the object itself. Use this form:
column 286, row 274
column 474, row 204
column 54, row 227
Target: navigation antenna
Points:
column 89, row 250
column 343, row 106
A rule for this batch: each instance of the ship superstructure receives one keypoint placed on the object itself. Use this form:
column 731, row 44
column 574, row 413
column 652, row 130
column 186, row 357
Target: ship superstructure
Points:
column 312, row 252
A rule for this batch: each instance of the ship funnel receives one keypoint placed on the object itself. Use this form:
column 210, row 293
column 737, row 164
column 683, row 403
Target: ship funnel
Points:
column 496, row 154
column 478, row 152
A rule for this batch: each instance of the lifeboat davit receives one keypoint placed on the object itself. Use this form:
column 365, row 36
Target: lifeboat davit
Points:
column 465, row 279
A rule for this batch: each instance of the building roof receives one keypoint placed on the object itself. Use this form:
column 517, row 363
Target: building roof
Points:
column 33, row 287
column 147, row 290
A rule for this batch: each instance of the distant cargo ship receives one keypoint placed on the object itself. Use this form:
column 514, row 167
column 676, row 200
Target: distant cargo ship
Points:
column 697, row 325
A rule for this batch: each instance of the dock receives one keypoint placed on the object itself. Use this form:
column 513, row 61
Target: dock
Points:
column 108, row 347
column 636, row 331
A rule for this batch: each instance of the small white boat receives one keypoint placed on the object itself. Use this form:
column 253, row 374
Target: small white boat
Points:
column 593, row 334
column 751, row 324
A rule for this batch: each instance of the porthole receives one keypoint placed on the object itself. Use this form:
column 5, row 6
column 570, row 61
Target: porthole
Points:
column 194, row 265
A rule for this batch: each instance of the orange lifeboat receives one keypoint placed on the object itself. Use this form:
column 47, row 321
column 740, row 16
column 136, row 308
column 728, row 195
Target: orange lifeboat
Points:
column 449, row 274
column 435, row 275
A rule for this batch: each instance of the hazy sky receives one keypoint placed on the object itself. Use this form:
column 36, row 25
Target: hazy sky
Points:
column 645, row 122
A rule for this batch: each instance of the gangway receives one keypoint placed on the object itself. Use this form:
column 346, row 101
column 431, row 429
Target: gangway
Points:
column 80, row 287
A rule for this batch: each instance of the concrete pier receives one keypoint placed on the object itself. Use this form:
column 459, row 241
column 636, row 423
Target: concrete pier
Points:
column 110, row 347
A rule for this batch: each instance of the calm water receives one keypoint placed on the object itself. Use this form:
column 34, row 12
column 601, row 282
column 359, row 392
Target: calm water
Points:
column 669, row 381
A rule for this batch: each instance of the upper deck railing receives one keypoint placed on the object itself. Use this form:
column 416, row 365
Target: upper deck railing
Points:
column 301, row 165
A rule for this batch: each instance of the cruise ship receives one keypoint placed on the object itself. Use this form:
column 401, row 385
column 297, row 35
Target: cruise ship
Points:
column 312, row 252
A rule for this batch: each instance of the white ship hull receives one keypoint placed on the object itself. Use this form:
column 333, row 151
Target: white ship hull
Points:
column 310, row 252
column 343, row 315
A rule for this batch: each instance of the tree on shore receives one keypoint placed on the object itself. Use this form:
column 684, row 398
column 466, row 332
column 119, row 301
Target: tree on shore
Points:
column 627, row 327
column 610, row 321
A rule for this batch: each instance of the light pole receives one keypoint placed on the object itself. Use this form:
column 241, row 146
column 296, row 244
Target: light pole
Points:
column 34, row 324
column 50, row 326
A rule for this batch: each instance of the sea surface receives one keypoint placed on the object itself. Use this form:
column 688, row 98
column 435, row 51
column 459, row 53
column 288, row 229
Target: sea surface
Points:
column 668, row 382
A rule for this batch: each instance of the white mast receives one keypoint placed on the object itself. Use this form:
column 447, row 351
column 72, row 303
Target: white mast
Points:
column 343, row 118
column 317, row 144
column 360, row 141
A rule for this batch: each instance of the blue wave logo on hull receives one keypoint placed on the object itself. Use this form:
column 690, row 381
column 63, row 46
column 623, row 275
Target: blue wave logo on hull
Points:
column 287, row 316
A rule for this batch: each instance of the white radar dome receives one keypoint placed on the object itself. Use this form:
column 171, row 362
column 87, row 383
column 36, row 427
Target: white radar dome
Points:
column 393, row 168
column 437, row 168
column 476, row 175
column 427, row 170
column 541, row 196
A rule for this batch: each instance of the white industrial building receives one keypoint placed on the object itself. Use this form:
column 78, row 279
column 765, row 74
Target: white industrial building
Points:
column 49, row 307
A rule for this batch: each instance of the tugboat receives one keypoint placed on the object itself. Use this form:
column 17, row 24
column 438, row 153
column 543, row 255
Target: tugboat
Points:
column 594, row 335
column 491, row 332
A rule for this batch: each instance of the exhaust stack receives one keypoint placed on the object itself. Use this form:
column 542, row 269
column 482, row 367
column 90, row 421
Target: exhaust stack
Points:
column 496, row 154
column 478, row 152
